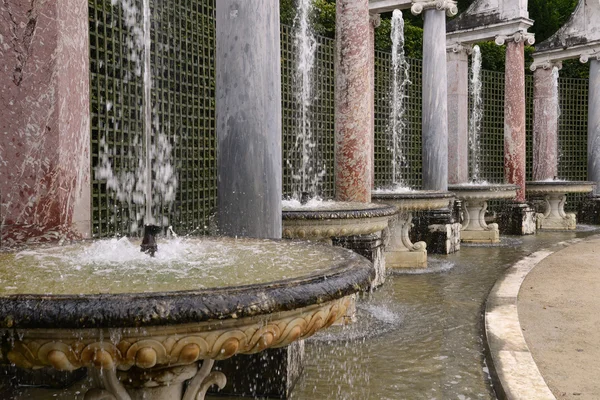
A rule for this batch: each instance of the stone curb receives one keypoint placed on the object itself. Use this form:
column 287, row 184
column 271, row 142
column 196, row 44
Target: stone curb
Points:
column 514, row 373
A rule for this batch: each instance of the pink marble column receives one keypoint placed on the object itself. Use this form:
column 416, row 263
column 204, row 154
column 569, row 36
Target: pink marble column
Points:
column 375, row 21
column 458, row 116
column 44, row 121
column 514, row 117
column 353, row 143
column 545, row 125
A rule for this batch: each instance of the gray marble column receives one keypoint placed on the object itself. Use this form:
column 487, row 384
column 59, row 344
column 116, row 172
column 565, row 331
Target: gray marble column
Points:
column 458, row 116
column 353, row 148
column 545, row 125
column 435, row 97
column 594, row 125
column 248, row 103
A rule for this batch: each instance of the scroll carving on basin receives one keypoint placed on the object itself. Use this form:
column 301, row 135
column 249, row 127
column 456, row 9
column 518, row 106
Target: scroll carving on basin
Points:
column 153, row 335
column 474, row 198
column 554, row 194
column 400, row 251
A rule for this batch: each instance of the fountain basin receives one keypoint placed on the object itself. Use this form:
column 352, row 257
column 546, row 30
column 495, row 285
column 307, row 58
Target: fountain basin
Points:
column 400, row 251
column 554, row 194
column 335, row 219
column 474, row 198
column 133, row 340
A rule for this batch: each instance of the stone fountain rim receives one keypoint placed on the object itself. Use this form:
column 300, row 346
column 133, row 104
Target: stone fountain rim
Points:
column 375, row 211
column 414, row 195
column 127, row 310
column 558, row 183
column 491, row 187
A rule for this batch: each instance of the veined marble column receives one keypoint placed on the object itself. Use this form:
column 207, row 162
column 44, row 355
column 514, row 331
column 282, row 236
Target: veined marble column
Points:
column 514, row 117
column 545, row 124
column 594, row 125
column 248, row 105
column 44, row 121
column 353, row 147
column 435, row 101
column 458, row 115
column 375, row 21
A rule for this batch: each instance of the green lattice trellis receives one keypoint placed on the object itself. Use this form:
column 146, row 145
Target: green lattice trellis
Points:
column 183, row 42
column 411, row 171
column 321, row 111
column 183, row 52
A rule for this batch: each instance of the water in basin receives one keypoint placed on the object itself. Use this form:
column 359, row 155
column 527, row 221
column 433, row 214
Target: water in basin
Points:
column 118, row 266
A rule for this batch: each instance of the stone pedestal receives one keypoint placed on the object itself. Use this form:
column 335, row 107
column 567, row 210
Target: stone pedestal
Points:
column 353, row 143
column 474, row 227
column 515, row 218
column 248, row 103
column 458, row 116
column 545, row 125
column 514, row 117
column 371, row 247
column 44, row 121
column 438, row 229
column 594, row 125
column 435, row 98
column 274, row 373
column 554, row 217
column 551, row 209
column 400, row 251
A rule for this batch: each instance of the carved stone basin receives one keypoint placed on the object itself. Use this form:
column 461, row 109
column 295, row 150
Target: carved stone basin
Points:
column 143, row 325
column 331, row 219
column 400, row 251
column 474, row 197
column 554, row 193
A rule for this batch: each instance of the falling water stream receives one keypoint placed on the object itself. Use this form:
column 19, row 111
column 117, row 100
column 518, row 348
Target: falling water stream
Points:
column 151, row 182
column 476, row 115
column 306, row 172
column 399, row 84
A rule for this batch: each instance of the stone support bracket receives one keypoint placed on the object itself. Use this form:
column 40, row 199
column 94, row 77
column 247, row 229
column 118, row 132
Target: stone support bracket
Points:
column 400, row 251
column 554, row 216
column 474, row 228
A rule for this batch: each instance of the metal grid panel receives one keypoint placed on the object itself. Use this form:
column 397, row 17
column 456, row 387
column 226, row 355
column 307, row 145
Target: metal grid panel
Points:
column 492, row 127
column 321, row 113
column 528, row 127
column 412, row 140
column 572, row 134
column 183, row 94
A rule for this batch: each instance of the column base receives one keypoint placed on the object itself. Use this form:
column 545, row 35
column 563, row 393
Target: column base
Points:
column 437, row 228
column 489, row 236
column 369, row 246
column 275, row 372
column 517, row 219
column 406, row 259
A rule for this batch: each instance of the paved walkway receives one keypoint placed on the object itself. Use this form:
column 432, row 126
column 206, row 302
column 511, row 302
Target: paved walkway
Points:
column 545, row 343
column 559, row 310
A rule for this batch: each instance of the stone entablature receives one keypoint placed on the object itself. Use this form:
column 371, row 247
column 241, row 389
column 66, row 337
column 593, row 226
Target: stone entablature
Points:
column 579, row 38
column 416, row 6
column 487, row 20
